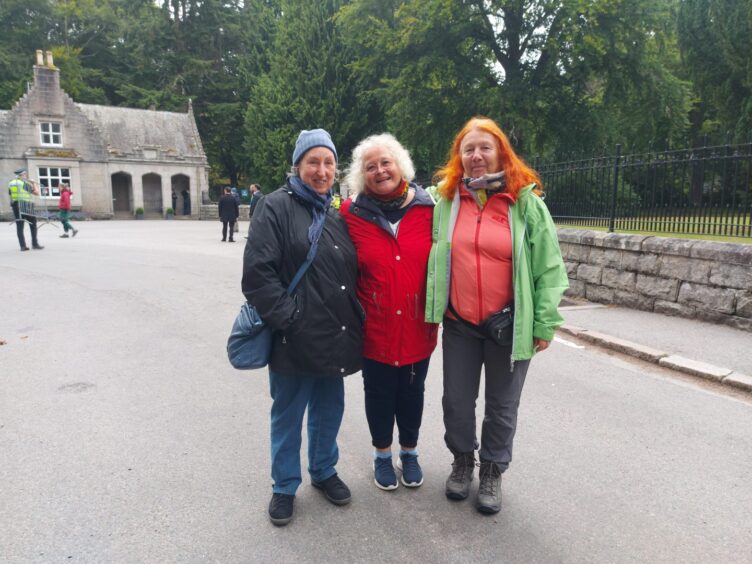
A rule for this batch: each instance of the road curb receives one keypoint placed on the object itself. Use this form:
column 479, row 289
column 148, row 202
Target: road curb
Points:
column 662, row 358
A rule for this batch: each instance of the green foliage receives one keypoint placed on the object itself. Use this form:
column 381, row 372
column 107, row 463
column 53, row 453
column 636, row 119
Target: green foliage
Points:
column 715, row 37
column 561, row 77
column 308, row 85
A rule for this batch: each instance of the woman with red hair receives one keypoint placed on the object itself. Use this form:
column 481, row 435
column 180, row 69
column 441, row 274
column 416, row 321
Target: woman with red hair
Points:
column 495, row 278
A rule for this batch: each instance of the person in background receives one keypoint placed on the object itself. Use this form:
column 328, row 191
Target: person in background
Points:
column 186, row 201
column 317, row 331
column 256, row 195
column 228, row 213
column 390, row 224
column 236, row 195
column 174, row 202
column 495, row 260
column 64, row 205
column 21, row 190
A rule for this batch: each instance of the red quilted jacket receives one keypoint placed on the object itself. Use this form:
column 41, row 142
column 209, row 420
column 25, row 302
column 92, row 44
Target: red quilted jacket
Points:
column 392, row 279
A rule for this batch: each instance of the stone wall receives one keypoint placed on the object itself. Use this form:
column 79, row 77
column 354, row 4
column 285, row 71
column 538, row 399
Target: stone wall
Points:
column 211, row 211
column 689, row 278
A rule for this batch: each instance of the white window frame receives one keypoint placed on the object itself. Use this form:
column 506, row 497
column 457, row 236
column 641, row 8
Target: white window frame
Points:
column 47, row 129
column 50, row 178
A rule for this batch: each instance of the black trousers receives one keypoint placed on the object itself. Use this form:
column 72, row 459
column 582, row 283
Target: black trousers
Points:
column 394, row 393
column 20, row 220
column 224, row 229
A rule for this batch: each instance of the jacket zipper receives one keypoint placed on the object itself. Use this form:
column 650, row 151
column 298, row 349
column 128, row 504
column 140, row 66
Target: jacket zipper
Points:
column 477, row 267
column 514, row 293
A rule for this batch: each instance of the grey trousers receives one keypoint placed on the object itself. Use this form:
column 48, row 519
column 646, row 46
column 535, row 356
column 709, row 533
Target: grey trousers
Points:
column 465, row 352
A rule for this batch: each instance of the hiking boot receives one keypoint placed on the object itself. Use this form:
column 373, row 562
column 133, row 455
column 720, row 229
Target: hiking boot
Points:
column 412, row 474
column 334, row 489
column 458, row 482
column 383, row 474
column 281, row 508
column 75, row 232
column 64, row 236
column 489, row 490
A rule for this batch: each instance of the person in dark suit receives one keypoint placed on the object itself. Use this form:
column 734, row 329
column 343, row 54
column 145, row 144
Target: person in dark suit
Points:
column 256, row 195
column 228, row 213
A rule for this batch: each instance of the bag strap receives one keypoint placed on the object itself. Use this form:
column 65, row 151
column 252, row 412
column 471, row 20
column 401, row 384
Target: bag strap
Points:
column 302, row 270
column 450, row 307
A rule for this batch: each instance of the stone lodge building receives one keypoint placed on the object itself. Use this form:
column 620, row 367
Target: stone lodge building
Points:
column 115, row 159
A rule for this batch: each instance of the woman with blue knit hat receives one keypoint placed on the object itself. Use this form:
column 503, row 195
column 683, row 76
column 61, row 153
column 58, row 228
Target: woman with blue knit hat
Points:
column 317, row 330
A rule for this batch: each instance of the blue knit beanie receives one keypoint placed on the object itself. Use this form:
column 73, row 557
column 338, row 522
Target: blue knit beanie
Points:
column 310, row 138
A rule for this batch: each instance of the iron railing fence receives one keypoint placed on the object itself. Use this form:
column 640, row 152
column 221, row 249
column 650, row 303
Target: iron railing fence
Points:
column 703, row 190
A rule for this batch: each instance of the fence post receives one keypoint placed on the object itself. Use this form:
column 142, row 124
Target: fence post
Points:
column 612, row 217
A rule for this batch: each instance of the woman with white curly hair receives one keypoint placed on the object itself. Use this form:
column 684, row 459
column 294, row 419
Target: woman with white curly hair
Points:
column 389, row 220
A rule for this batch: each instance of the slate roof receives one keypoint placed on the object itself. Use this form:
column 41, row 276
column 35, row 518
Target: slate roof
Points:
column 124, row 129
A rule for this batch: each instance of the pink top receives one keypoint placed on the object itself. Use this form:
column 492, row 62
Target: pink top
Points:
column 64, row 203
column 481, row 282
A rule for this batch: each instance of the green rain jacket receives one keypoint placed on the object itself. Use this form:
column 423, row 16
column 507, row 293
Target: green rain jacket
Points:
column 539, row 278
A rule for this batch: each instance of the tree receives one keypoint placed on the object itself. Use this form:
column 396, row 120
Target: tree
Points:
column 308, row 85
column 555, row 74
column 715, row 37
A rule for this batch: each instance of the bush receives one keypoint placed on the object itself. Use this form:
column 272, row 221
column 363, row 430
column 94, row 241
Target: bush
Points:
column 170, row 211
column 139, row 211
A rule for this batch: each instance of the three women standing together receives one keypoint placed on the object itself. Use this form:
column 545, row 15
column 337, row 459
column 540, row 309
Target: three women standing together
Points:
column 487, row 247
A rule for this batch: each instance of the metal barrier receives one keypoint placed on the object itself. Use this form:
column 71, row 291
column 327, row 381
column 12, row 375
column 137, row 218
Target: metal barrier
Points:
column 703, row 190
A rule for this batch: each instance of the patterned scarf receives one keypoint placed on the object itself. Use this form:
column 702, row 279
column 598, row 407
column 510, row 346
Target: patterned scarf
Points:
column 318, row 203
column 392, row 201
column 485, row 186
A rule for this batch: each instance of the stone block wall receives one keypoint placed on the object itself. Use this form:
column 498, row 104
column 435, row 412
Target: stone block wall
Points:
column 211, row 211
column 689, row 278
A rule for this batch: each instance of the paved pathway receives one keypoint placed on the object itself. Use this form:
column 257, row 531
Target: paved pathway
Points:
column 125, row 436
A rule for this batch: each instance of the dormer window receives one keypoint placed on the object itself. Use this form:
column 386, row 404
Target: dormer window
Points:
column 51, row 134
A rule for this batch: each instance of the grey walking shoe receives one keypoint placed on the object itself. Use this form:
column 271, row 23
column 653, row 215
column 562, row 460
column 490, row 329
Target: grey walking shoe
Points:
column 458, row 482
column 489, row 490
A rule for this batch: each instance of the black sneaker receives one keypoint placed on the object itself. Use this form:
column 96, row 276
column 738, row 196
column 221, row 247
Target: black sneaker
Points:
column 334, row 489
column 64, row 236
column 489, row 490
column 281, row 508
column 458, row 482
column 37, row 247
column 24, row 248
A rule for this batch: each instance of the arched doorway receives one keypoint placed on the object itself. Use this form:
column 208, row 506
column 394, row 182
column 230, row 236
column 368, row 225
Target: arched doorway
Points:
column 152, row 184
column 122, row 193
column 181, row 187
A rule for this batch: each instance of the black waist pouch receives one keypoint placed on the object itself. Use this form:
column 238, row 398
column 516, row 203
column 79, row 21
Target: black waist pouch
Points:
column 499, row 326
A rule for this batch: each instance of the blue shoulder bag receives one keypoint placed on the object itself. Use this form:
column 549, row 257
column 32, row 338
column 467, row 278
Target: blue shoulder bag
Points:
column 249, row 345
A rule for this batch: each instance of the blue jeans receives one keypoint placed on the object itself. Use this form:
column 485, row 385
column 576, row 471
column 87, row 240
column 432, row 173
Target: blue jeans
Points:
column 325, row 400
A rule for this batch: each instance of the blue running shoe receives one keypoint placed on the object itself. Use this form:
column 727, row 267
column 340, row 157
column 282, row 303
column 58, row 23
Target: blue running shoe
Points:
column 412, row 475
column 383, row 474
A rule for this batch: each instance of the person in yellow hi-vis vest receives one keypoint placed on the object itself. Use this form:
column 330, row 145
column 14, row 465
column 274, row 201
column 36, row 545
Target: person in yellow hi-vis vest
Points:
column 21, row 191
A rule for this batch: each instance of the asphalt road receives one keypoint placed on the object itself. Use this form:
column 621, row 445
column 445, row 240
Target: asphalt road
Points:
column 125, row 436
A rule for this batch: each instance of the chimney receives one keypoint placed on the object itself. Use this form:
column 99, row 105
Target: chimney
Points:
column 46, row 93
